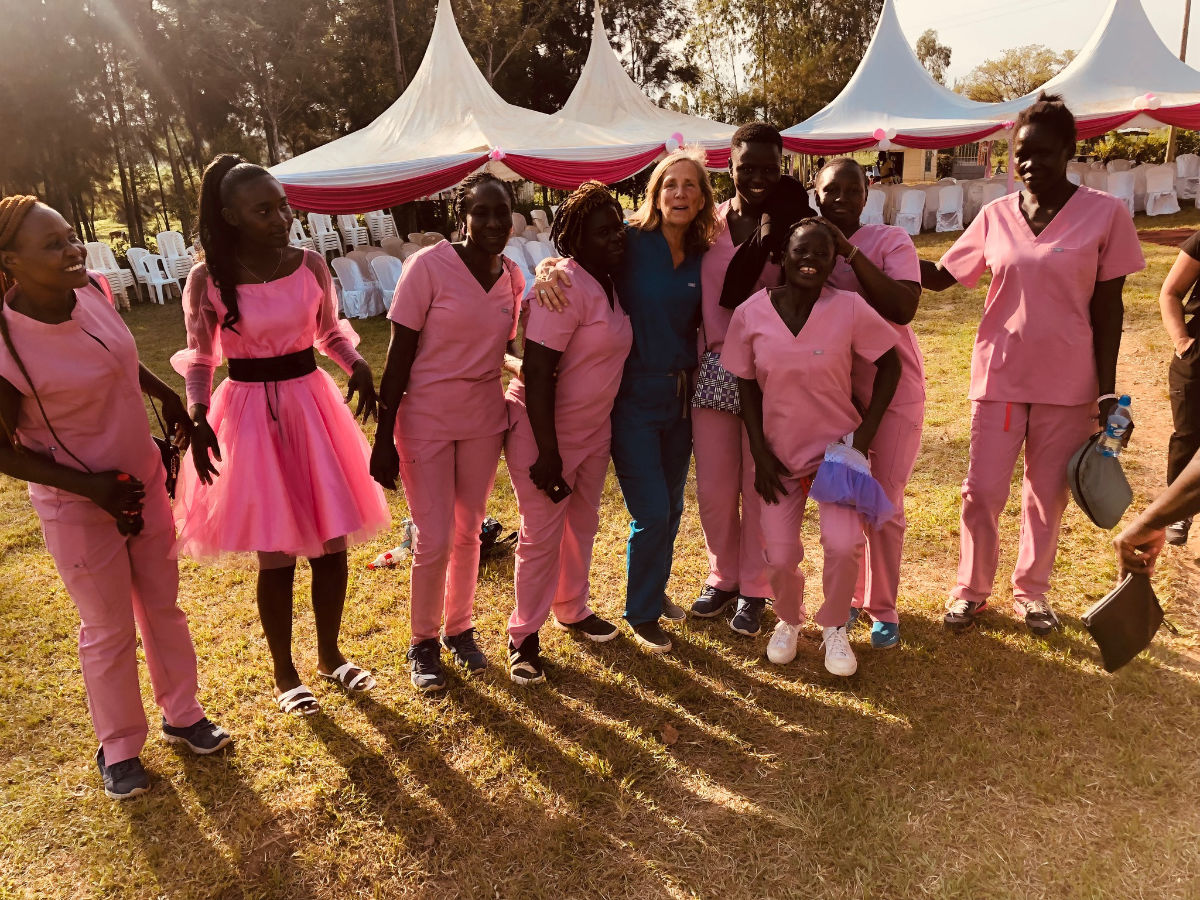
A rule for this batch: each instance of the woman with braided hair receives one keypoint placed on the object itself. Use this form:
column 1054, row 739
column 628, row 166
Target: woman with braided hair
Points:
column 559, row 435
column 442, row 417
column 294, row 479
column 73, row 425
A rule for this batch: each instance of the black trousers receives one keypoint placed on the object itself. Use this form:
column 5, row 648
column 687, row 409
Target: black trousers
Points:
column 1183, row 378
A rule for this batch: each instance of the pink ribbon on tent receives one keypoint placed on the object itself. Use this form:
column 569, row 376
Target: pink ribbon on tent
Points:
column 566, row 175
column 827, row 145
column 1095, row 126
column 1179, row 116
column 364, row 198
column 918, row 142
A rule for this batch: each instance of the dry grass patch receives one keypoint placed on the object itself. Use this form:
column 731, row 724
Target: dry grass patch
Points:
column 986, row 765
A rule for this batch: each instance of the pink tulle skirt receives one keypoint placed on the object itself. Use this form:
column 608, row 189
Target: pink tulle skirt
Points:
column 294, row 474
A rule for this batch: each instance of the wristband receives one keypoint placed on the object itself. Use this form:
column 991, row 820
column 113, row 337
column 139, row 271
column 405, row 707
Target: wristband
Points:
column 850, row 256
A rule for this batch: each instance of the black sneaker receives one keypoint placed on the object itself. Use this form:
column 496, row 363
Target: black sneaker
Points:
column 1038, row 616
column 123, row 779
column 747, row 618
column 651, row 636
column 712, row 602
column 1177, row 532
column 593, row 628
column 203, row 737
column 524, row 663
column 425, row 665
column 961, row 613
column 465, row 651
column 672, row 611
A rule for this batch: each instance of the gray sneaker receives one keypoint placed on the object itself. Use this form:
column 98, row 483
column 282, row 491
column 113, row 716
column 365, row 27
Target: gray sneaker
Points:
column 747, row 619
column 124, row 779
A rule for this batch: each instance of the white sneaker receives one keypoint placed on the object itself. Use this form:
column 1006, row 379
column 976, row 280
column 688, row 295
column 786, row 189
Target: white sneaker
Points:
column 781, row 649
column 839, row 658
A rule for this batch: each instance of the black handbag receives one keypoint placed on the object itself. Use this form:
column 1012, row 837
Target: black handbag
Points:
column 1124, row 621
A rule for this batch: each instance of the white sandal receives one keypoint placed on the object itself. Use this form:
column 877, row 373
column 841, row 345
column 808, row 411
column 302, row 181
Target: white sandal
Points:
column 360, row 683
column 299, row 701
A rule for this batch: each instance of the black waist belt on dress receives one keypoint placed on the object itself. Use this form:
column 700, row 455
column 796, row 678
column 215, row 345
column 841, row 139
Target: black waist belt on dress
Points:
column 274, row 368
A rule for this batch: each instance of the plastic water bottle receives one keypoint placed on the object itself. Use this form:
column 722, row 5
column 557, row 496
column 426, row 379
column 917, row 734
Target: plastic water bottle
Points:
column 1115, row 428
column 392, row 558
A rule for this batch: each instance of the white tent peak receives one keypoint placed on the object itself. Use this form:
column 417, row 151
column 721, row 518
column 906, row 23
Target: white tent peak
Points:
column 605, row 96
column 892, row 91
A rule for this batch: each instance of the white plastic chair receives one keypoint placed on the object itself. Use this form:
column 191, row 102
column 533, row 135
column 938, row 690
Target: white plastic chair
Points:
column 174, row 252
column 100, row 258
column 1120, row 185
column 1074, row 177
column 1161, row 199
column 1187, row 176
column 429, row 238
column 536, row 251
column 912, row 208
column 152, row 272
column 993, row 191
column 297, row 237
column 324, row 238
column 517, row 255
column 1096, row 179
column 360, row 298
column 1119, row 165
column 353, row 234
column 872, row 213
column 519, row 224
column 950, row 208
column 362, row 259
column 381, row 225
column 408, row 249
column 387, row 271
column 540, row 219
column 393, row 246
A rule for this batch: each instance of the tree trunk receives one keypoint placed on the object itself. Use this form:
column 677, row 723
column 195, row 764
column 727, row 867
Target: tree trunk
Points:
column 185, row 206
column 162, row 194
column 397, row 60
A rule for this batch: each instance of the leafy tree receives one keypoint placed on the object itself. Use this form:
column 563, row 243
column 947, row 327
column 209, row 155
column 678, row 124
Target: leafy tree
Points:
column 933, row 56
column 1013, row 73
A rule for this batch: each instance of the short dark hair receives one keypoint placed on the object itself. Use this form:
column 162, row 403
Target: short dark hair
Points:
column 810, row 222
column 845, row 162
column 469, row 184
column 1051, row 111
column 756, row 133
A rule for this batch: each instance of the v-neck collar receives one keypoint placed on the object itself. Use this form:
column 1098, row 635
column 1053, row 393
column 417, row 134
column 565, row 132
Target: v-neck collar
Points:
column 487, row 291
column 784, row 324
column 1058, row 215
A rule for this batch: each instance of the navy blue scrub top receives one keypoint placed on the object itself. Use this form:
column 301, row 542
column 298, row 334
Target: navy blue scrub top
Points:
column 663, row 304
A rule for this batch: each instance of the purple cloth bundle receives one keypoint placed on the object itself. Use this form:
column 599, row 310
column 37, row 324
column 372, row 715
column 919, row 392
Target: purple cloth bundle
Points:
column 844, row 478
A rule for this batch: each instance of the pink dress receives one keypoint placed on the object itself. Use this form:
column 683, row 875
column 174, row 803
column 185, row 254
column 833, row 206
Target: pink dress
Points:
column 295, row 472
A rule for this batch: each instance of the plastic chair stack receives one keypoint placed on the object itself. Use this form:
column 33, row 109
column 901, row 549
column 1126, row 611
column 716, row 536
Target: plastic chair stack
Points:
column 324, row 238
column 174, row 252
column 297, row 237
column 353, row 234
column 100, row 258
column 381, row 225
column 151, row 270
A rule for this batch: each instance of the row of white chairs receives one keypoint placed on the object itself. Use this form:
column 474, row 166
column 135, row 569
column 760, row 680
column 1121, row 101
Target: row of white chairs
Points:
column 1152, row 189
column 158, row 272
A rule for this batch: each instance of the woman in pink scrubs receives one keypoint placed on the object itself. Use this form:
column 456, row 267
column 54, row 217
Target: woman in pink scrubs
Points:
column 73, row 425
column 557, row 446
column 1046, row 351
column 879, row 262
column 793, row 348
column 442, row 415
column 292, row 478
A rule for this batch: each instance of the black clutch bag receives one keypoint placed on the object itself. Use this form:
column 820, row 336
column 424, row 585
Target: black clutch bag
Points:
column 1124, row 621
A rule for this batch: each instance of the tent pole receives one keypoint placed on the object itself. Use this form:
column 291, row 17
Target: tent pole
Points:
column 1187, row 16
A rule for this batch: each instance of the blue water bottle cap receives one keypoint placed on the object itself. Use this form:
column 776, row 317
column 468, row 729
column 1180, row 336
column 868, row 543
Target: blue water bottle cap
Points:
column 1124, row 401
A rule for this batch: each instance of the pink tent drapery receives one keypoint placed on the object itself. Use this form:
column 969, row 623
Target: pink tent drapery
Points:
column 364, row 198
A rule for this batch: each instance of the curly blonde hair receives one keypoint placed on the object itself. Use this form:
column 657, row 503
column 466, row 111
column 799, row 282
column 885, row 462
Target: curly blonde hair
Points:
column 703, row 230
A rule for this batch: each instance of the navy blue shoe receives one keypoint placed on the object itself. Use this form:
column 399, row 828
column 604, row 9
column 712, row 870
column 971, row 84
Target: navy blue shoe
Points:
column 123, row 779
column 885, row 635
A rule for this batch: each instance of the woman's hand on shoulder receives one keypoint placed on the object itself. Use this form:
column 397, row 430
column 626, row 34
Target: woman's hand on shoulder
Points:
column 549, row 288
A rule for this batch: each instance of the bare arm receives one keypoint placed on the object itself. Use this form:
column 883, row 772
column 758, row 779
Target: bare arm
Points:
column 887, row 377
column 539, row 368
column 1139, row 545
column 768, row 470
column 1108, row 315
column 934, row 277
column 402, row 350
column 1179, row 281
column 895, row 300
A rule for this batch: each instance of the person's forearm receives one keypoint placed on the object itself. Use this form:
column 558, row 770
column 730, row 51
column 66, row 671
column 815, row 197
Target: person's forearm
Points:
column 893, row 300
column 539, row 403
column 1108, row 315
column 1179, row 501
column 887, row 378
column 154, row 386
column 36, row 468
column 1170, row 307
column 934, row 277
column 402, row 350
column 751, row 398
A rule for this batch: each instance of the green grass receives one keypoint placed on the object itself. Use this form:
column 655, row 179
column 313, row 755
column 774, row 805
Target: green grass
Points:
column 992, row 764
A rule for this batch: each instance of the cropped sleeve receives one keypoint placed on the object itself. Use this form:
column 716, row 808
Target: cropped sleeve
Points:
column 335, row 337
column 554, row 329
column 967, row 259
column 899, row 257
column 872, row 336
column 1121, row 251
column 737, row 355
column 203, row 354
column 414, row 293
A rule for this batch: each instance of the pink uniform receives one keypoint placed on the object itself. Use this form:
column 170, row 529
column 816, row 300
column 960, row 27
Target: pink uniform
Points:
column 451, row 422
column 1033, row 371
column 894, row 450
column 554, row 551
column 295, row 477
column 725, row 491
column 807, row 405
column 85, row 371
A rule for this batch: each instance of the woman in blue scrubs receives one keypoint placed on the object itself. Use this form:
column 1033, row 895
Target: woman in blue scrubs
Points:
column 659, row 287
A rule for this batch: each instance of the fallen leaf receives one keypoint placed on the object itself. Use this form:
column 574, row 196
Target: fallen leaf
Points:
column 669, row 734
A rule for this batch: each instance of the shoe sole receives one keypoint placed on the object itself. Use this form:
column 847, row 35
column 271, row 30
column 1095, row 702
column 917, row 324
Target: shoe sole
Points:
column 959, row 627
column 427, row 688
column 199, row 751
column 742, row 631
column 890, row 645
column 594, row 638
column 716, row 612
column 841, row 674
column 1177, row 542
column 526, row 680
column 651, row 646
column 674, row 620
column 136, row 792
column 781, row 662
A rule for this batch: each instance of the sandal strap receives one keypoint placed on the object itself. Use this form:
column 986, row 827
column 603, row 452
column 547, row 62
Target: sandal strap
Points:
column 297, row 696
column 351, row 684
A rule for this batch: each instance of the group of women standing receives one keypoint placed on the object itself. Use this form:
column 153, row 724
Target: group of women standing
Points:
column 802, row 321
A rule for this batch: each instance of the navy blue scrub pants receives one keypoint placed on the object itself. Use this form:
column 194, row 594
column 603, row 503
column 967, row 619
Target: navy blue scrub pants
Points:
column 651, row 451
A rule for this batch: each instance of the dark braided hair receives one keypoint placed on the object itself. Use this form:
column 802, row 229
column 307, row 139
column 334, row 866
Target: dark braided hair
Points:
column 1049, row 110
column 468, row 184
column 218, row 238
column 13, row 211
column 810, row 222
column 567, row 231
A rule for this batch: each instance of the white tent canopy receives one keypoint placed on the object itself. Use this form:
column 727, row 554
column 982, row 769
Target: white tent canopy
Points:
column 892, row 101
column 607, row 97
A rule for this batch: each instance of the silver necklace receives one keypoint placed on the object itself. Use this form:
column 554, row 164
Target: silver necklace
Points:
column 262, row 280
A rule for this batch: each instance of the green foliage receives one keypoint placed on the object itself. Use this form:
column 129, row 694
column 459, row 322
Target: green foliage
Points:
column 933, row 56
column 1013, row 73
column 1143, row 148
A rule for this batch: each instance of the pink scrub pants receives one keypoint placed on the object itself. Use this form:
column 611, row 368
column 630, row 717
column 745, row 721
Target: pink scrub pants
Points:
column 554, row 549
column 1051, row 435
column 842, row 540
column 893, row 455
column 729, row 505
column 447, row 484
column 122, row 586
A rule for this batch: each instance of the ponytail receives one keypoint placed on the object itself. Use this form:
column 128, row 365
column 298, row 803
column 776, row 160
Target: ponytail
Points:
column 218, row 238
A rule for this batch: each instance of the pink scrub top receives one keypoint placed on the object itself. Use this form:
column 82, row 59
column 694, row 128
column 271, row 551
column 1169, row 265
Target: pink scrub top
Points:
column 594, row 340
column 454, row 390
column 805, row 378
column 85, row 371
column 713, row 266
column 1034, row 343
column 892, row 251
